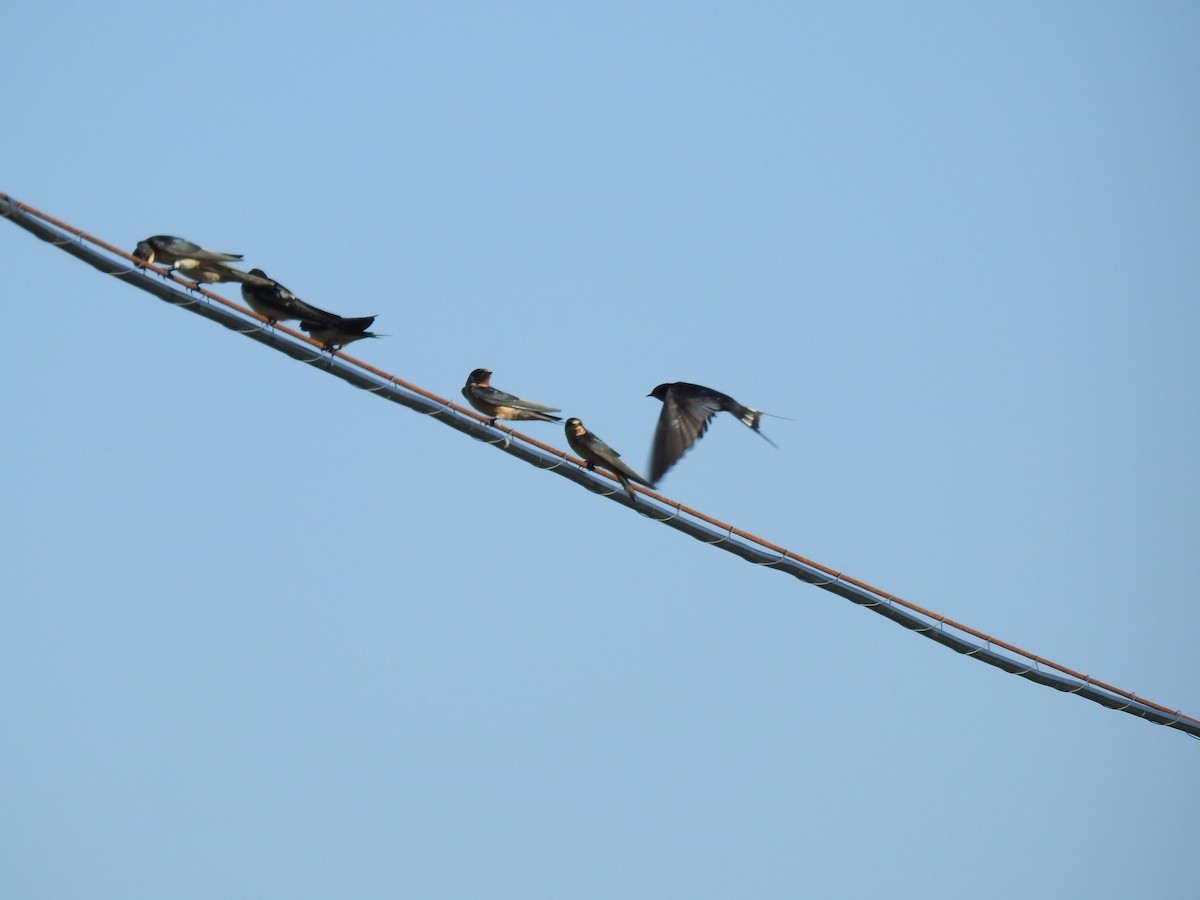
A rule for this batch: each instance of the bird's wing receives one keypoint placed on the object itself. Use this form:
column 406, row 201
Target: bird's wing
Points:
column 611, row 459
column 497, row 397
column 220, row 271
column 307, row 312
column 175, row 247
column 680, row 424
column 356, row 325
column 184, row 249
column 251, row 278
column 601, row 450
column 195, row 251
column 494, row 396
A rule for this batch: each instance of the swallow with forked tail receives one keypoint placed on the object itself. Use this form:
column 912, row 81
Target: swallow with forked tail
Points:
column 496, row 404
column 337, row 334
column 275, row 303
column 594, row 452
column 687, row 410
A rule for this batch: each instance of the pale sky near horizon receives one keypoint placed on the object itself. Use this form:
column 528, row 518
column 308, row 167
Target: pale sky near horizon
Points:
column 265, row 635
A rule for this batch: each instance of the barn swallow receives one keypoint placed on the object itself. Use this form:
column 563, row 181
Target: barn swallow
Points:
column 687, row 410
column 337, row 334
column 594, row 452
column 275, row 303
column 167, row 250
column 495, row 404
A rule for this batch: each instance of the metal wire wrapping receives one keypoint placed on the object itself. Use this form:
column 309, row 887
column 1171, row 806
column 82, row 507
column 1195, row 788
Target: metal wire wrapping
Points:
column 961, row 638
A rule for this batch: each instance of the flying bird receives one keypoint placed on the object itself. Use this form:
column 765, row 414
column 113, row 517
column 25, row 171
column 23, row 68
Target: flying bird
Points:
column 275, row 303
column 687, row 410
column 595, row 452
column 496, row 404
column 336, row 335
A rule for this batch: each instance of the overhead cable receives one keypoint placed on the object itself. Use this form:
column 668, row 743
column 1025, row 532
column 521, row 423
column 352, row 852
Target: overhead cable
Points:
column 961, row 638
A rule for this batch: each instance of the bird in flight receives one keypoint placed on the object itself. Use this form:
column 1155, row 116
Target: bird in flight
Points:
column 687, row 409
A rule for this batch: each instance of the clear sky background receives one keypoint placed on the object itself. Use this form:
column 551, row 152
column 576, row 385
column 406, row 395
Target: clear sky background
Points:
column 265, row 635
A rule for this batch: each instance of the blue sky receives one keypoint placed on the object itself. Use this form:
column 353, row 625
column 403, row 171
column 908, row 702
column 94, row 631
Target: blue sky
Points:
column 268, row 636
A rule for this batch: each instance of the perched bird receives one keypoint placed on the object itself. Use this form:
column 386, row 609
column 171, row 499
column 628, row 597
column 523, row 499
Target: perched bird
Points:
column 167, row 250
column 595, row 452
column 495, row 404
column 687, row 410
column 336, row 335
column 191, row 260
column 275, row 303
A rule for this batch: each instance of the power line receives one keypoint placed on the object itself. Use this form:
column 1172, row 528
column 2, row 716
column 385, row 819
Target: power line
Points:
column 961, row 638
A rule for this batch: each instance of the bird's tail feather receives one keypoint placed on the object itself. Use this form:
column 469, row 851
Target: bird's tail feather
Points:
column 753, row 418
column 361, row 323
column 750, row 417
column 629, row 489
